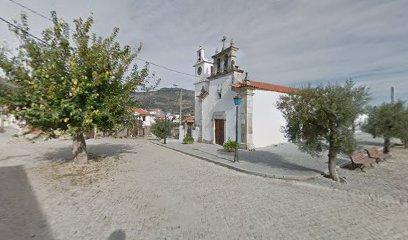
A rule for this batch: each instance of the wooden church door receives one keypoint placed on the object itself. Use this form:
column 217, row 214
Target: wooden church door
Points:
column 219, row 131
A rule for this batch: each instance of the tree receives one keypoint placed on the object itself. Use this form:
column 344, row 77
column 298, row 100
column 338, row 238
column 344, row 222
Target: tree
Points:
column 403, row 134
column 321, row 116
column 70, row 83
column 162, row 128
column 386, row 121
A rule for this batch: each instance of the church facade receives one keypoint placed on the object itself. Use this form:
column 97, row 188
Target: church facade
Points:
column 217, row 82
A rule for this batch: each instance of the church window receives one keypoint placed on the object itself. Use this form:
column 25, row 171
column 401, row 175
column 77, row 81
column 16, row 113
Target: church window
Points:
column 218, row 65
column 199, row 70
column 225, row 63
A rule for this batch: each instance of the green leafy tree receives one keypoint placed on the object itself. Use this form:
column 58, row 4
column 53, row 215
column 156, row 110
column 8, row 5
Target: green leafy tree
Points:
column 387, row 121
column 403, row 134
column 162, row 128
column 70, row 83
column 321, row 116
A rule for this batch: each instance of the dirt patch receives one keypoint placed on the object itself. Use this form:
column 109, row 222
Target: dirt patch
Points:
column 80, row 174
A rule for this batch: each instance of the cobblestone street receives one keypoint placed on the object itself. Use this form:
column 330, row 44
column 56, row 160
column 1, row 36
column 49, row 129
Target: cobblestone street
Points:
column 155, row 193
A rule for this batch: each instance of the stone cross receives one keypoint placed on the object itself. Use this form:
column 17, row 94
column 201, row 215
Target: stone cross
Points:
column 223, row 42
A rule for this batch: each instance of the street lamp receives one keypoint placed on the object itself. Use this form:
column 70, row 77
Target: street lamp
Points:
column 237, row 102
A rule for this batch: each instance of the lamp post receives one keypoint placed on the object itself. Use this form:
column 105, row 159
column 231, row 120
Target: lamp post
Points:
column 237, row 102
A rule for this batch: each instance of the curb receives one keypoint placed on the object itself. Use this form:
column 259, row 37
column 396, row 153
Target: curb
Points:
column 265, row 175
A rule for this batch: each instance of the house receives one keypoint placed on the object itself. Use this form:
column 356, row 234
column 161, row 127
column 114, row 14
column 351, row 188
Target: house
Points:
column 171, row 118
column 155, row 111
column 217, row 82
column 145, row 120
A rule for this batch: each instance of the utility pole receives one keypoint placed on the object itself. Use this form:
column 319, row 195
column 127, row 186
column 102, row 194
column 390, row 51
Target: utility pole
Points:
column 392, row 95
column 181, row 105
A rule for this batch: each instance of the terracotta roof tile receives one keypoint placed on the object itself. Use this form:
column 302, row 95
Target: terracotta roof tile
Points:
column 189, row 119
column 264, row 86
column 141, row 111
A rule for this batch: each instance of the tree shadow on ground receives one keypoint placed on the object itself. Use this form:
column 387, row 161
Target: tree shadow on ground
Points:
column 274, row 160
column 21, row 216
column 118, row 234
column 15, row 156
column 267, row 158
column 95, row 152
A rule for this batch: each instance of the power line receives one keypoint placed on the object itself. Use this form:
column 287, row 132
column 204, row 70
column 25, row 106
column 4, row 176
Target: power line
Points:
column 164, row 67
column 146, row 61
column 31, row 10
column 24, row 31
column 141, row 59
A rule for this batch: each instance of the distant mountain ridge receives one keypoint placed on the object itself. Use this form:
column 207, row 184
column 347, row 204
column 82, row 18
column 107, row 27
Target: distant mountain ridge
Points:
column 167, row 99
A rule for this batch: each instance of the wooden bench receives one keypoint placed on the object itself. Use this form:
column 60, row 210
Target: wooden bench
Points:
column 361, row 159
column 374, row 153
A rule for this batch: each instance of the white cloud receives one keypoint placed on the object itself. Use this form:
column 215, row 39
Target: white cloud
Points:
column 284, row 42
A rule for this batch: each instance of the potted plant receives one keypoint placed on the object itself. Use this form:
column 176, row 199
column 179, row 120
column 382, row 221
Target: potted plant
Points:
column 230, row 145
column 188, row 140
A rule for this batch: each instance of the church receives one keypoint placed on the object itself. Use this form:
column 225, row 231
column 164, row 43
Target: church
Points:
column 217, row 82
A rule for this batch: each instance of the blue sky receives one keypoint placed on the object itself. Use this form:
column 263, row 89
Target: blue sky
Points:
column 287, row 42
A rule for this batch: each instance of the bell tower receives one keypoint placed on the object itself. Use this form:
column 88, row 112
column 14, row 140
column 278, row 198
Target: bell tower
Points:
column 202, row 70
column 202, row 67
column 225, row 61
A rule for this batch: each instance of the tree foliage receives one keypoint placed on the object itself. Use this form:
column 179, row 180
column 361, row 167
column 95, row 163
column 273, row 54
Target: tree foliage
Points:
column 161, row 128
column 70, row 82
column 403, row 135
column 322, row 117
column 387, row 121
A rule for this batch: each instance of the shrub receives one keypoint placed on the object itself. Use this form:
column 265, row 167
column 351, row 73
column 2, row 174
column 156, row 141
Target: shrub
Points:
column 188, row 140
column 161, row 128
column 230, row 145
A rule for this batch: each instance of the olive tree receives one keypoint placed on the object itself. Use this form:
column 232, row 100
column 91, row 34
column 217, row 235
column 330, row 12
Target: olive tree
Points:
column 70, row 82
column 387, row 121
column 403, row 135
column 321, row 118
column 162, row 128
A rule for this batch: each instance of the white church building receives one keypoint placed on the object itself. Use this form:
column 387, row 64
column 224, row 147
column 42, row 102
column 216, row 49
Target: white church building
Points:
column 217, row 82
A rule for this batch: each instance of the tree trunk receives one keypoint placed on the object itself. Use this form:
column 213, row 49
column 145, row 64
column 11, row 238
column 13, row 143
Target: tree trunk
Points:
column 332, row 163
column 387, row 143
column 1, row 121
column 79, row 149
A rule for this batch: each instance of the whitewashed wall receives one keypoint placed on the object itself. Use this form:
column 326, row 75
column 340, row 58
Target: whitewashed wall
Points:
column 267, row 119
column 220, row 108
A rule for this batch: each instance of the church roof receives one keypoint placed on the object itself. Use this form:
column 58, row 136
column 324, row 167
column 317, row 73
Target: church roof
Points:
column 263, row 86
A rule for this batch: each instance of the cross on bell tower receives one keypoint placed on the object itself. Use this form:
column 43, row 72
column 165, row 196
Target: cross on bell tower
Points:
column 224, row 38
column 225, row 60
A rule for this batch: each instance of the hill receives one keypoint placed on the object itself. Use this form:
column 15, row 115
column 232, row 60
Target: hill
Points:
column 167, row 99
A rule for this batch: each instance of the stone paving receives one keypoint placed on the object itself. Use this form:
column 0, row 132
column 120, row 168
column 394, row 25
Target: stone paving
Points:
column 284, row 161
column 156, row 193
